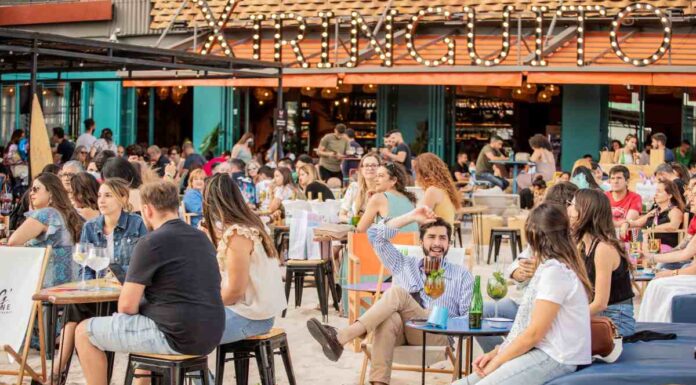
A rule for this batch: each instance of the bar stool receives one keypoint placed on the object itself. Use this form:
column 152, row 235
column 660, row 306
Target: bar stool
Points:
column 263, row 348
column 497, row 234
column 172, row 369
column 295, row 270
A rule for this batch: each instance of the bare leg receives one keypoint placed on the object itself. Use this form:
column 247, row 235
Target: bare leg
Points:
column 92, row 360
column 66, row 348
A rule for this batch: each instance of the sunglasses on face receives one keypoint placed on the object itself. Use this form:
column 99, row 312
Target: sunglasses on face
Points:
column 83, row 152
column 35, row 189
column 67, row 175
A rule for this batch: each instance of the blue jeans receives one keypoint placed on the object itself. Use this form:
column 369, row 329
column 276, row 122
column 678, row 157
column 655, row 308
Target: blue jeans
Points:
column 622, row 315
column 671, row 265
column 507, row 308
column 496, row 181
column 532, row 368
column 238, row 328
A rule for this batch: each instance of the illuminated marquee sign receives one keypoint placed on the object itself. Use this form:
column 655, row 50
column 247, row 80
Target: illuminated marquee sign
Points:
column 385, row 50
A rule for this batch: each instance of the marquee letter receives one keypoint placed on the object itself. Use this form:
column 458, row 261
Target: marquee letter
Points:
column 256, row 39
column 447, row 58
column 666, row 39
column 278, row 40
column 580, row 10
column 471, row 37
column 539, row 11
column 325, row 16
column 358, row 24
column 217, row 27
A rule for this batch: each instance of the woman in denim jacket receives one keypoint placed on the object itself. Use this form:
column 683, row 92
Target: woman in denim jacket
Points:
column 118, row 231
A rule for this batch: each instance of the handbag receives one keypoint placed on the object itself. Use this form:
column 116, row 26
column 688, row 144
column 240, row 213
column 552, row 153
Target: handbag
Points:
column 606, row 341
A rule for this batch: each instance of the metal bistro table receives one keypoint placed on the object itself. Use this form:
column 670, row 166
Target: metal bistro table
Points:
column 641, row 281
column 70, row 294
column 458, row 327
column 515, row 164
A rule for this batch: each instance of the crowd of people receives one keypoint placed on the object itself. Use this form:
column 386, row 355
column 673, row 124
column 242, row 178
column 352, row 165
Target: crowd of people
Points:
column 191, row 231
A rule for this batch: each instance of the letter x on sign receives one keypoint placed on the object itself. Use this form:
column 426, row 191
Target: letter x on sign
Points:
column 218, row 26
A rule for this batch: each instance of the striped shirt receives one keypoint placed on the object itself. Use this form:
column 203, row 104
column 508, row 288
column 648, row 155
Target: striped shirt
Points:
column 408, row 273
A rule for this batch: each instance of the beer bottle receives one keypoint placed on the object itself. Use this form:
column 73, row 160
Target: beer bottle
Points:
column 476, row 309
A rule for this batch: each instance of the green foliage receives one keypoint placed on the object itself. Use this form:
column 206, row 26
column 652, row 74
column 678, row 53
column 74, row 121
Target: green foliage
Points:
column 210, row 142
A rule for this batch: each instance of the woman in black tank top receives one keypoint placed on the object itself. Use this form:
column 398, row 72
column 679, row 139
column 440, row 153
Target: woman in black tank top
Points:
column 605, row 259
column 667, row 215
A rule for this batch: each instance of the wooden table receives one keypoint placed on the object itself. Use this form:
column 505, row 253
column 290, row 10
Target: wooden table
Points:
column 476, row 213
column 71, row 294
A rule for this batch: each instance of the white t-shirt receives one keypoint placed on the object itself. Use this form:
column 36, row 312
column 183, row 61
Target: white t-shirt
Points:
column 568, row 341
column 110, row 246
column 86, row 140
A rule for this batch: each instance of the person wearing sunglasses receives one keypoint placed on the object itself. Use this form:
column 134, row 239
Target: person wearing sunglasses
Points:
column 53, row 221
column 81, row 155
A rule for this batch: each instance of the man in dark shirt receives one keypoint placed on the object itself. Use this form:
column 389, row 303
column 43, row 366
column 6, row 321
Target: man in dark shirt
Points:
column 400, row 152
column 460, row 170
column 64, row 147
column 157, row 159
column 170, row 302
column 192, row 160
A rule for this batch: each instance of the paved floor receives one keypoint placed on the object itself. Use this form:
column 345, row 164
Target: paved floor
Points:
column 310, row 365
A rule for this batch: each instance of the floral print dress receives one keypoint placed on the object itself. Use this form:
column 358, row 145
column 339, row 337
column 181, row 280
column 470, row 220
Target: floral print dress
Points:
column 60, row 268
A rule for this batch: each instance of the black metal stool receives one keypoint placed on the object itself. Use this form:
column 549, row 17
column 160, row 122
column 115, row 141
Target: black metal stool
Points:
column 171, row 369
column 295, row 270
column 497, row 234
column 263, row 348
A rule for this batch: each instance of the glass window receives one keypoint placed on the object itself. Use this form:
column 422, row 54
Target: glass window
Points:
column 9, row 109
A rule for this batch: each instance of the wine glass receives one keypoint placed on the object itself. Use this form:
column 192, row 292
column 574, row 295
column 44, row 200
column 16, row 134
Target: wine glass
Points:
column 497, row 288
column 98, row 260
column 80, row 253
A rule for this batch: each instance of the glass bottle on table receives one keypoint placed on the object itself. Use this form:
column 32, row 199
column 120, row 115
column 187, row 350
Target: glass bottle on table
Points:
column 476, row 308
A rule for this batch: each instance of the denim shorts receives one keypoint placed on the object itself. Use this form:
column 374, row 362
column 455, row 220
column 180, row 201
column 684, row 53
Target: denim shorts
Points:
column 123, row 333
column 621, row 314
column 238, row 327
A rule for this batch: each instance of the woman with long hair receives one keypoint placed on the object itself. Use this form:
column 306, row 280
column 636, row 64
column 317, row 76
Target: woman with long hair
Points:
column 629, row 153
column 440, row 194
column 243, row 148
column 667, row 214
column 390, row 197
column 122, row 168
column 12, row 155
column 606, row 261
column 355, row 199
column 84, row 191
column 115, row 229
column 283, row 189
column 583, row 178
column 551, row 334
column 193, row 196
column 81, row 154
column 252, row 288
column 311, row 186
column 53, row 222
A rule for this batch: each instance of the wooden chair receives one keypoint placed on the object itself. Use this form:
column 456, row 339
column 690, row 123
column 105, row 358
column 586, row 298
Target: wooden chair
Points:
column 186, row 215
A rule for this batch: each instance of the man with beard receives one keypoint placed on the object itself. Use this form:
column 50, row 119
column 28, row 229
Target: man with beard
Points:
column 406, row 300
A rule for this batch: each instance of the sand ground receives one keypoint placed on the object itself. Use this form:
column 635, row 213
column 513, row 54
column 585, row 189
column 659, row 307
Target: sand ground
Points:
column 309, row 363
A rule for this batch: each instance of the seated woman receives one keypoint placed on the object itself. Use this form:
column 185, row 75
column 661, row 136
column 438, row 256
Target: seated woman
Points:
column 252, row 285
column 551, row 334
column 657, row 298
column 193, row 197
column 544, row 159
column 84, row 188
column 283, row 189
column 355, row 199
column 52, row 222
column 121, row 168
column 583, row 178
column 607, row 264
column 666, row 216
column 310, row 184
column 629, row 153
column 390, row 198
column 440, row 194
column 118, row 231
column 684, row 252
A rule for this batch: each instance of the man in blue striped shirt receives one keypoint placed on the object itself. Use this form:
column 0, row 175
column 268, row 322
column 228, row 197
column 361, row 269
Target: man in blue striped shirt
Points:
column 407, row 299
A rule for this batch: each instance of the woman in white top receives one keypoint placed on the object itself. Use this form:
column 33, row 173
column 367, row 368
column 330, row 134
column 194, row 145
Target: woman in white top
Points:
column 544, row 160
column 551, row 333
column 252, row 287
column 355, row 199
column 629, row 153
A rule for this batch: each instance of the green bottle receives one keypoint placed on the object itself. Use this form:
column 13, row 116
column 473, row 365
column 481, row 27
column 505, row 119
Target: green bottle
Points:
column 476, row 309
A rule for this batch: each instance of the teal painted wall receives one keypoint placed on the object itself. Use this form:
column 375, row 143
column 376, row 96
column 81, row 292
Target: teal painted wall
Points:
column 107, row 107
column 412, row 109
column 213, row 106
column 584, row 122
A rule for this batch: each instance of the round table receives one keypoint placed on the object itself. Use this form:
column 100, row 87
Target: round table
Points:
column 459, row 328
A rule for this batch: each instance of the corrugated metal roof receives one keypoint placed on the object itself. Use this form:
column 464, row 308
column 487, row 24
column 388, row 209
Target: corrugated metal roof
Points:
column 163, row 10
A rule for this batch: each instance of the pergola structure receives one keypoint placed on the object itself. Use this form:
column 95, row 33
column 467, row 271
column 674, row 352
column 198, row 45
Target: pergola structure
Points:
column 23, row 52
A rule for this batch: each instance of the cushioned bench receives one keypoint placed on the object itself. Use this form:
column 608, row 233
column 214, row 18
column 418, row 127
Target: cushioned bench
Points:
column 684, row 308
